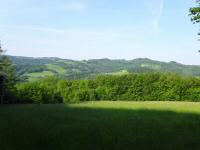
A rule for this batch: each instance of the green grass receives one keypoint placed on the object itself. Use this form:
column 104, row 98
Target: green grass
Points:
column 56, row 68
column 101, row 126
column 151, row 66
column 122, row 72
column 38, row 75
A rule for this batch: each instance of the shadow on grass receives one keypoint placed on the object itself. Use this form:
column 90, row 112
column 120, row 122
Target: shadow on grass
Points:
column 64, row 128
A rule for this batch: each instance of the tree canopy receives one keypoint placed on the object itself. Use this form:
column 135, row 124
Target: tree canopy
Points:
column 130, row 87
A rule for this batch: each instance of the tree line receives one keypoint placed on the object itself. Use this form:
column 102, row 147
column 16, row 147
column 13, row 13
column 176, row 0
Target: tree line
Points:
column 130, row 87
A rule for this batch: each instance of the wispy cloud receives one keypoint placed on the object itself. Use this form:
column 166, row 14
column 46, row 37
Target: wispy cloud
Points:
column 72, row 34
column 41, row 7
column 156, row 20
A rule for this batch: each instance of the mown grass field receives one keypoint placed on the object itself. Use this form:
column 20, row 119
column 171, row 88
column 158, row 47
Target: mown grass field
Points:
column 38, row 75
column 101, row 126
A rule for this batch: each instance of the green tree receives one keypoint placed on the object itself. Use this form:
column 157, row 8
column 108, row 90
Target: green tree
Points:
column 8, row 73
column 195, row 13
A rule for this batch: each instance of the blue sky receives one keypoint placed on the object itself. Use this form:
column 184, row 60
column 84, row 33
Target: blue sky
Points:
column 86, row 29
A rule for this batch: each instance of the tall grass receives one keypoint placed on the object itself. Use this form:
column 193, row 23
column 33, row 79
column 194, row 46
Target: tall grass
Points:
column 101, row 125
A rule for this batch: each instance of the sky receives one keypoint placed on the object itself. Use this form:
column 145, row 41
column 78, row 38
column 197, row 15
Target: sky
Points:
column 94, row 29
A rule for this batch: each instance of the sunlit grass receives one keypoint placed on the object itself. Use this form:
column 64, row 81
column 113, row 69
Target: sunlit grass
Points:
column 56, row 68
column 37, row 75
column 192, row 107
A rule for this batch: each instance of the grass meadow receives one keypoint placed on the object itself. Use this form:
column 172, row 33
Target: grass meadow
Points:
column 101, row 126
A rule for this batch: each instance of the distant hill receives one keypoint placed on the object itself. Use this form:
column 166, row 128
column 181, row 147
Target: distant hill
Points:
column 34, row 68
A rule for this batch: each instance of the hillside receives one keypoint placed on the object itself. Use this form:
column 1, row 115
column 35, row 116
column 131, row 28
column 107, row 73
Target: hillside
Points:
column 35, row 68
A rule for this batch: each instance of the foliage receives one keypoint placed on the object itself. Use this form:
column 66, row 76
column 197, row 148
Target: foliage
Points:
column 41, row 92
column 7, row 70
column 132, row 87
column 195, row 13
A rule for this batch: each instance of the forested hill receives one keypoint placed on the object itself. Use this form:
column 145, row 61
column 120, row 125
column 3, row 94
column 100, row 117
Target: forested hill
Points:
column 34, row 68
